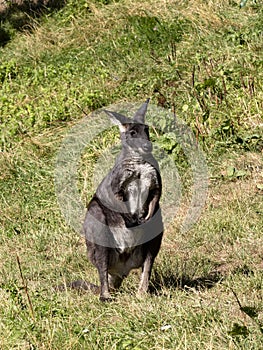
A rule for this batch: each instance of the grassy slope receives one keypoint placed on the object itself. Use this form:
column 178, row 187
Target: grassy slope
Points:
column 203, row 58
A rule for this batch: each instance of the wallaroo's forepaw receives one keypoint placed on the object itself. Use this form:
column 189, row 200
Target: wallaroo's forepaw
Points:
column 141, row 221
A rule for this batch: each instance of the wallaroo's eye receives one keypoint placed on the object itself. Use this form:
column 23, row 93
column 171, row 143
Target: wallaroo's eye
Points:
column 133, row 132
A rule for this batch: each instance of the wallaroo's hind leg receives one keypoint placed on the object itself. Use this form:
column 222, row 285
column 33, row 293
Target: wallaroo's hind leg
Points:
column 104, row 285
column 146, row 274
column 99, row 256
column 152, row 249
column 95, row 228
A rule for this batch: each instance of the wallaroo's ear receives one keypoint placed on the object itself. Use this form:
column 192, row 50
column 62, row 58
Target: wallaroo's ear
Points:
column 140, row 114
column 118, row 119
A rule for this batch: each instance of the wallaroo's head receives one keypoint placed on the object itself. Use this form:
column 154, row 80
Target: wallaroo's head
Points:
column 134, row 132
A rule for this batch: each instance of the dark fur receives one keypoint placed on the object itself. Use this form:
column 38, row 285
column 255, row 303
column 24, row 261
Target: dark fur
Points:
column 123, row 225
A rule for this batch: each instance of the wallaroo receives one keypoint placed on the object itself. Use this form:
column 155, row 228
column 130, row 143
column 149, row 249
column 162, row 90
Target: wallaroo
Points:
column 123, row 225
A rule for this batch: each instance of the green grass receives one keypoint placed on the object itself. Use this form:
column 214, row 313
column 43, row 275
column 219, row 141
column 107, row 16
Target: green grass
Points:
column 201, row 59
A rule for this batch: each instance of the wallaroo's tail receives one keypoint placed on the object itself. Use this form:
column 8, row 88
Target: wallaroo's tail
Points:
column 79, row 285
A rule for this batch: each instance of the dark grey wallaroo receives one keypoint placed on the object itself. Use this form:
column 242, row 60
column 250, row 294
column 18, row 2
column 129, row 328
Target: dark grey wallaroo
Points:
column 123, row 225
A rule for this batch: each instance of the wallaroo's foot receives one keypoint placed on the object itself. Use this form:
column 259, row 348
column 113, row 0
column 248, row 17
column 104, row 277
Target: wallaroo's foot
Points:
column 106, row 299
column 141, row 292
column 105, row 296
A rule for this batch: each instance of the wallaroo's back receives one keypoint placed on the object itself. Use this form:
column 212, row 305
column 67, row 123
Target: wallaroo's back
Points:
column 123, row 225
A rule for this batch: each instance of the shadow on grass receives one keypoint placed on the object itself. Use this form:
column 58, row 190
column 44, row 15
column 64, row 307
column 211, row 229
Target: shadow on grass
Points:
column 184, row 282
column 172, row 280
column 22, row 15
